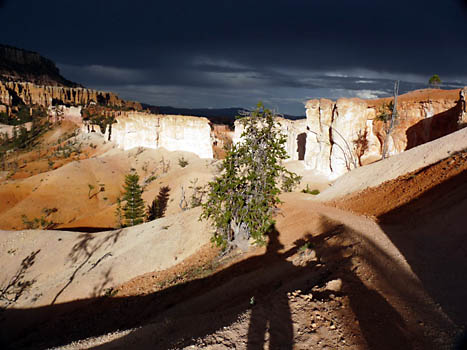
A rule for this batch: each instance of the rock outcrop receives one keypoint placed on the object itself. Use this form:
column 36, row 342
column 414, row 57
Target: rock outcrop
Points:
column 22, row 65
column 8, row 129
column 173, row 132
column 347, row 133
column 463, row 108
column 14, row 93
column 294, row 130
column 337, row 136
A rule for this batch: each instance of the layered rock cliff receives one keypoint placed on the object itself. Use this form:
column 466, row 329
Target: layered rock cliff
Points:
column 347, row 133
column 22, row 65
column 338, row 136
column 173, row 132
column 14, row 93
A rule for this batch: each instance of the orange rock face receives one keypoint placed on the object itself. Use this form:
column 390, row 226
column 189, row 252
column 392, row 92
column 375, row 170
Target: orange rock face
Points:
column 423, row 116
column 31, row 94
column 348, row 133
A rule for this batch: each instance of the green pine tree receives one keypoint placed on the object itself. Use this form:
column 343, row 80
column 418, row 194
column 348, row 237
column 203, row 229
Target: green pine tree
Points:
column 242, row 199
column 134, row 208
column 435, row 81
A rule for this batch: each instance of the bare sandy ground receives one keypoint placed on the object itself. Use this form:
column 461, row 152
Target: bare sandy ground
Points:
column 375, row 174
column 355, row 289
column 78, row 206
column 388, row 276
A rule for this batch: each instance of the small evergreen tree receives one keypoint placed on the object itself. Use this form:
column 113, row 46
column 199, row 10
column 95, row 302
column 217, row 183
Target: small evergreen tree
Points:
column 133, row 210
column 242, row 199
column 159, row 205
column 435, row 81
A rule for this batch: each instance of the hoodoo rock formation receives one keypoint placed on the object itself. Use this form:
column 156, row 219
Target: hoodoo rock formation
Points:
column 173, row 132
column 348, row 133
column 13, row 93
column 337, row 136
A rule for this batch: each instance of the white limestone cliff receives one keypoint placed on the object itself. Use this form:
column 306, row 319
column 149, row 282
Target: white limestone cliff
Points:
column 173, row 132
column 294, row 130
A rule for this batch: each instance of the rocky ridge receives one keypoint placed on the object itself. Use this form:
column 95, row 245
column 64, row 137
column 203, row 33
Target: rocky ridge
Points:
column 14, row 93
column 23, row 65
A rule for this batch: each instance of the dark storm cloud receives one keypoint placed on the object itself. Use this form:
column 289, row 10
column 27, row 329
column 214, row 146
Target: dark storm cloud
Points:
column 234, row 51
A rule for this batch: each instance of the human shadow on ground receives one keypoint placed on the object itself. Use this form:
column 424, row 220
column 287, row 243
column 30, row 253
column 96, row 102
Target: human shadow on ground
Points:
column 278, row 325
column 229, row 289
column 179, row 314
column 344, row 252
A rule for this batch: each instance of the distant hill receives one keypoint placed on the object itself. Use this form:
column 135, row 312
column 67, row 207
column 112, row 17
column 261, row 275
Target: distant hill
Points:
column 215, row 115
column 20, row 65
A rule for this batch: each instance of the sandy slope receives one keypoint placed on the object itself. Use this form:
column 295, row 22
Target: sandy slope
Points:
column 63, row 266
column 67, row 187
column 375, row 174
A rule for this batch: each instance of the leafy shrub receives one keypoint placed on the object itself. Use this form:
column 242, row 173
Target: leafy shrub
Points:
column 37, row 223
column 309, row 191
column 182, row 162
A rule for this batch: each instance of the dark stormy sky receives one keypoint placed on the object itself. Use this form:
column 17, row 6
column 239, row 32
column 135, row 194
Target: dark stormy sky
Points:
column 233, row 53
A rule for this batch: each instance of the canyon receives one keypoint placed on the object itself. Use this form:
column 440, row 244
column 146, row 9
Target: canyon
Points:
column 372, row 260
column 335, row 137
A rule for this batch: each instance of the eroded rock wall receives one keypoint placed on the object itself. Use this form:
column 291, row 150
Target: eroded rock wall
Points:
column 173, row 132
column 61, row 112
column 294, row 130
column 337, row 136
column 345, row 134
column 463, row 108
column 12, row 93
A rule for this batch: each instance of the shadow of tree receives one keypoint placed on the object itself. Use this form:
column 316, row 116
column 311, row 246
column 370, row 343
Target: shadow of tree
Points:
column 17, row 285
column 219, row 299
column 101, row 289
column 84, row 249
column 101, row 315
